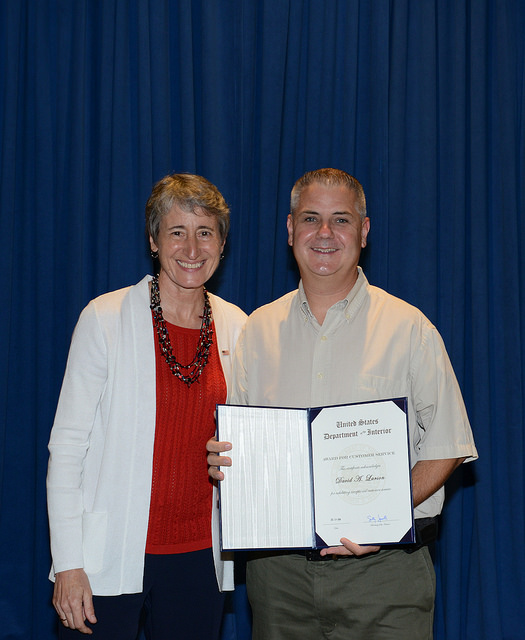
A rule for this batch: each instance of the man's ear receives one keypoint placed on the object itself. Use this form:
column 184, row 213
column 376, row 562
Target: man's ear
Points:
column 365, row 228
column 289, row 226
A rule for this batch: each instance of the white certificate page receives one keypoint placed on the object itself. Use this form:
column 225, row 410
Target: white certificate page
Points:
column 266, row 495
column 361, row 474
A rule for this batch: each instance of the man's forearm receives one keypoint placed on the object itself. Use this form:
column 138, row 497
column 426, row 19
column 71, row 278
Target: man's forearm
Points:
column 430, row 475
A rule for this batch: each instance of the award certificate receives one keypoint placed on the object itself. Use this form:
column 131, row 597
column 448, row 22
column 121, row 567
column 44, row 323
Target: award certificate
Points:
column 305, row 478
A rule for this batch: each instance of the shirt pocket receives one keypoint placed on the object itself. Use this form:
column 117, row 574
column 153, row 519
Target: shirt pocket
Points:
column 372, row 387
column 94, row 528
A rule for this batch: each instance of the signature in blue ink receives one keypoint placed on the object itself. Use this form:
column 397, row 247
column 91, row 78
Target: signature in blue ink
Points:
column 377, row 518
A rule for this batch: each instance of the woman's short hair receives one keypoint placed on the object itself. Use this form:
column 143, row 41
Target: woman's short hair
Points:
column 330, row 178
column 189, row 192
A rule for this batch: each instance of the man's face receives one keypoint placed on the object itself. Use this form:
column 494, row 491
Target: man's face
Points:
column 327, row 235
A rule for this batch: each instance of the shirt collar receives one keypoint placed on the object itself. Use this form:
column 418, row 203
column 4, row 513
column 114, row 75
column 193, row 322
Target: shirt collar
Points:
column 341, row 306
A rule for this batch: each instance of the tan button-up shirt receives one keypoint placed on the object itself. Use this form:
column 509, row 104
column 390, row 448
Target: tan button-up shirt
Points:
column 371, row 346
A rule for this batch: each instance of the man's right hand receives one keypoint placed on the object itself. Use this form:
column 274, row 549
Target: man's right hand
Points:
column 215, row 460
column 73, row 600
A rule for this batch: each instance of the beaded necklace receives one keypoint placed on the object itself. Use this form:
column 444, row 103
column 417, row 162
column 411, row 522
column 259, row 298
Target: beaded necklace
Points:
column 188, row 373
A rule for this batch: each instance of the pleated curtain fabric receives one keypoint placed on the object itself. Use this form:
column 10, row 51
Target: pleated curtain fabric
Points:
column 423, row 101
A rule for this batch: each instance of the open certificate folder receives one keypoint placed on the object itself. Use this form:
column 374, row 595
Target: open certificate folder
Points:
column 305, row 478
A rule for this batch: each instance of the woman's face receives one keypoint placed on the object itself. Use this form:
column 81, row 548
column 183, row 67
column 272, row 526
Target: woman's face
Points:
column 189, row 246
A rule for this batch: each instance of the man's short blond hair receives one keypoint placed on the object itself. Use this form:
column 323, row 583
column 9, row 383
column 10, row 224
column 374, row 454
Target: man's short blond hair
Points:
column 330, row 178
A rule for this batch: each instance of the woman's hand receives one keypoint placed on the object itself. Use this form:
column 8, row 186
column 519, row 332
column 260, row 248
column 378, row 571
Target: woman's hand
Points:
column 73, row 600
column 215, row 460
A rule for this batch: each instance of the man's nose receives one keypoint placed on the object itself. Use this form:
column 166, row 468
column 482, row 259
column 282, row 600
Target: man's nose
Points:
column 325, row 229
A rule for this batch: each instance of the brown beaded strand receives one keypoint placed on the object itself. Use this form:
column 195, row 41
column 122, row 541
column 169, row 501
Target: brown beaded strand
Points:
column 194, row 369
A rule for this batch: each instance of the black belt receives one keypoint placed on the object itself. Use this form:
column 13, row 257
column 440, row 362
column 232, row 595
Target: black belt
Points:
column 314, row 555
column 426, row 533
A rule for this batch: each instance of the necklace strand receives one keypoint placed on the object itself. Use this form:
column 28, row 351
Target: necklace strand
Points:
column 188, row 373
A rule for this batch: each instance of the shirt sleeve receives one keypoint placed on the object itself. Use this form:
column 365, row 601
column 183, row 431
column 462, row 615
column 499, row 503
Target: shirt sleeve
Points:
column 83, row 384
column 442, row 419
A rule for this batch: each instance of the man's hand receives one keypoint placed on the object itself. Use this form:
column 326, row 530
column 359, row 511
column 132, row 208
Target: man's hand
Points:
column 349, row 548
column 73, row 601
column 215, row 460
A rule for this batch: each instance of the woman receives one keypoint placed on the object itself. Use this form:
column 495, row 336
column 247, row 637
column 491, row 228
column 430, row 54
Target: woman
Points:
column 129, row 498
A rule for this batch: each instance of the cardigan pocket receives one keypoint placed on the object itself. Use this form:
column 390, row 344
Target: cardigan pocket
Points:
column 94, row 527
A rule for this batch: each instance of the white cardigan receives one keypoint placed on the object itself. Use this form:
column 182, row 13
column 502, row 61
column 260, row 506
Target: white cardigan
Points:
column 101, row 445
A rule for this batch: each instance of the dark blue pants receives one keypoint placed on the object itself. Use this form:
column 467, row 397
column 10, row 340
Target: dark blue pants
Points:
column 180, row 601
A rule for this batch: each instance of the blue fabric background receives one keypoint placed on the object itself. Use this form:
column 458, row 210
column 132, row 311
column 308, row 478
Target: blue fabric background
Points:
column 422, row 100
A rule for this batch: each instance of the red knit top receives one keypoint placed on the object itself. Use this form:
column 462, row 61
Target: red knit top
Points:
column 181, row 491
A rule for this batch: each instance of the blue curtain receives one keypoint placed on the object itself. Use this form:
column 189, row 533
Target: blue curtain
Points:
column 422, row 100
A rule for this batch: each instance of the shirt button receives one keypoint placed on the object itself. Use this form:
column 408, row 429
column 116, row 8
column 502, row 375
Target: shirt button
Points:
column 320, row 376
column 323, row 338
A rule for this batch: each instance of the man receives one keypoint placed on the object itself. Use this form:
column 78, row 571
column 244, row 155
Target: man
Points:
column 339, row 340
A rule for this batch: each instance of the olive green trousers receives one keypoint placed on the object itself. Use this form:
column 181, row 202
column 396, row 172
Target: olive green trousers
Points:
column 388, row 595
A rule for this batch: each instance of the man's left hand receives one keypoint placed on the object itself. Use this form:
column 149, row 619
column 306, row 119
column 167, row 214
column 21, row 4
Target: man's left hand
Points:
column 349, row 548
